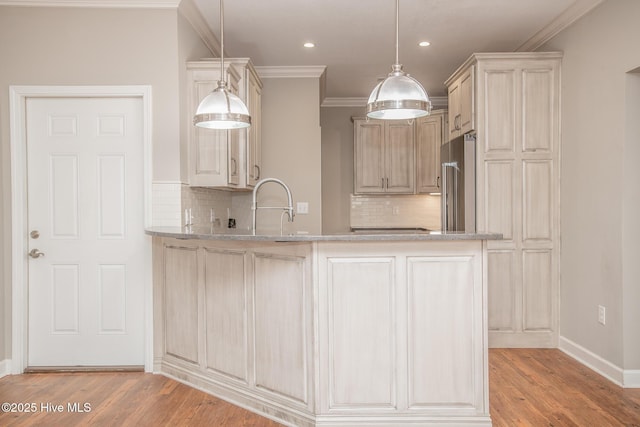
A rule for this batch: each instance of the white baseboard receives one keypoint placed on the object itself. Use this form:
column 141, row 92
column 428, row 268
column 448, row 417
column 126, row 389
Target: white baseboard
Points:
column 631, row 378
column 615, row 374
column 5, row 367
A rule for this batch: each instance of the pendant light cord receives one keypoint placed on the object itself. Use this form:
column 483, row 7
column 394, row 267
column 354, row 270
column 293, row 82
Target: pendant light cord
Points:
column 397, row 13
column 222, row 79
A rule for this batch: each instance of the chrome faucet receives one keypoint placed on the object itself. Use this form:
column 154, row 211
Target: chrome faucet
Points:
column 254, row 202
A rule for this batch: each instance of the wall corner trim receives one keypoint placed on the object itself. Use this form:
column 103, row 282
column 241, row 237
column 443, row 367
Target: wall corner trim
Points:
column 5, row 367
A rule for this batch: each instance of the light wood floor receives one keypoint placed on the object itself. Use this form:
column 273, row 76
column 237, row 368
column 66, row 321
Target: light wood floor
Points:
column 528, row 387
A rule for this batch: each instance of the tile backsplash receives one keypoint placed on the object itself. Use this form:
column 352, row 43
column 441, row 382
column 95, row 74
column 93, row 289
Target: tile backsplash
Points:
column 395, row 211
column 202, row 201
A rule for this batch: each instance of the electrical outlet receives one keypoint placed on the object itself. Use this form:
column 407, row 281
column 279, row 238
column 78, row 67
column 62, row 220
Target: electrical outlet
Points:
column 602, row 315
column 302, row 208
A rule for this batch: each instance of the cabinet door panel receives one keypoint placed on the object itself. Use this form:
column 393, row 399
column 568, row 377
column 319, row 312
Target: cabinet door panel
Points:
column 361, row 323
column 537, row 199
column 280, row 317
column 454, row 109
column 536, row 271
column 537, row 121
column 467, row 101
column 499, row 198
column 369, row 157
column 181, row 297
column 254, row 154
column 225, row 312
column 428, row 141
column 210, row 145
column 400, row 157
column 501, row 269
column 444, row 374
column 500, row 110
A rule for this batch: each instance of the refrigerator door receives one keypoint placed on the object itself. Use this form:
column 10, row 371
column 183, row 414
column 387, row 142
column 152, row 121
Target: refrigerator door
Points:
column 458, row 185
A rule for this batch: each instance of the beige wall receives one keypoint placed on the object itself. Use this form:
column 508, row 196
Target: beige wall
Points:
column 337, row 165
column 291, row 148
column 190, row 48
column 76, row 46
column 600, row 184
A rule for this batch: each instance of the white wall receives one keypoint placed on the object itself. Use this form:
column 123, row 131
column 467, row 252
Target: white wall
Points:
column 599, row 198
column 76, row 46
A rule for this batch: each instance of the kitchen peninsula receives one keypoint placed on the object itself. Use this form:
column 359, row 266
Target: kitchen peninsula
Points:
column 348, row 329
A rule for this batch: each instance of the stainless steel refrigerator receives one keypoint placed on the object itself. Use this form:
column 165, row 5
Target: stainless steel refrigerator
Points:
column 458, row 158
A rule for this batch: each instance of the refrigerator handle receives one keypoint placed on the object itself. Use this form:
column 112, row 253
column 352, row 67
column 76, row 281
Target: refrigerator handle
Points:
column 447, row 198
column 443, row 196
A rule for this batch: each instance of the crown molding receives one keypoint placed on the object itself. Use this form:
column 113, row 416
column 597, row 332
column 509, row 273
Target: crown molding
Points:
column 192, row 14
column 294, row 71
column 151, row 4
column 437, row 102
column 570, row 15
column 344, row 102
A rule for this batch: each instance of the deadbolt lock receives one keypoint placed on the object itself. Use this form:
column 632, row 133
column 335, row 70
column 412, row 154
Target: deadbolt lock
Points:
column 34, row 234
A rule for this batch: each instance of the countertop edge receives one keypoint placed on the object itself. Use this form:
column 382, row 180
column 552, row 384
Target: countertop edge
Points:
column 181, row 233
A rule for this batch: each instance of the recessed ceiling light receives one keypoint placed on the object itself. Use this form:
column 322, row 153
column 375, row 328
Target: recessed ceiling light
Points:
column 424, row 44
column 309, row 44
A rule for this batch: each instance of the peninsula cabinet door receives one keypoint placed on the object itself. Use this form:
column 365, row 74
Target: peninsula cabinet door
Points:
column 401, row 329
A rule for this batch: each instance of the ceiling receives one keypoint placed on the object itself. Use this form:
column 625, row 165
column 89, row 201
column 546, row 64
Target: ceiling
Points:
column 355, row 39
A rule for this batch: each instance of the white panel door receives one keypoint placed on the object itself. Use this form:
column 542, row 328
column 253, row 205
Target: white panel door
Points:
column 86, row 214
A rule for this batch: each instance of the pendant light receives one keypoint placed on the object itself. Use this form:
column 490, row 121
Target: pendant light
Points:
column 222, row 109
column 399, row 96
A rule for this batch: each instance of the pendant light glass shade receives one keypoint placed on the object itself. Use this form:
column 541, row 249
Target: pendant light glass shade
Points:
column 222, row 109
column 399, row 96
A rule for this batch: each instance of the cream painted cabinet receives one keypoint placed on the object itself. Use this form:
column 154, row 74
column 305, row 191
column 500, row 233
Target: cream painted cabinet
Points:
column 384, row 156
column 238, row 316
column 429, row 137
column 224, row 158
column 518, row 192
column 250, row 91
column 461, row 90
column 402, row 332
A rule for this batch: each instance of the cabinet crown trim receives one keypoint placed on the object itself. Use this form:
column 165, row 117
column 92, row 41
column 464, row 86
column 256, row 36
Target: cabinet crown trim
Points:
column 475, row 57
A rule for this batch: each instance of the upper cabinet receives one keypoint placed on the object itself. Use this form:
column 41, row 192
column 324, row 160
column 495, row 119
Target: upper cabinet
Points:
column 461, row 102
column 384, row 154
column 227, row 159
column 429, row 137
column 398, row 156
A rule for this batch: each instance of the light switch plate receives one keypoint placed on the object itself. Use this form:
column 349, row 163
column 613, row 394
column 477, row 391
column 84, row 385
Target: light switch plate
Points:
column 302, row 208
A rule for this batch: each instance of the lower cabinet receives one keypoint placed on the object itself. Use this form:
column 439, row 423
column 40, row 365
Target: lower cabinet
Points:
column 328, row 333
column 236, row 317
column 401, row 331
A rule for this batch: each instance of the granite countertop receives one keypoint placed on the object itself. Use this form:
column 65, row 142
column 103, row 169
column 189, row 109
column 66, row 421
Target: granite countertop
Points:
column 206, row 233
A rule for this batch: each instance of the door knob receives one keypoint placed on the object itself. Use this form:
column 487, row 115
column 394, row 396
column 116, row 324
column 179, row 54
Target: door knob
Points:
column 35, row 253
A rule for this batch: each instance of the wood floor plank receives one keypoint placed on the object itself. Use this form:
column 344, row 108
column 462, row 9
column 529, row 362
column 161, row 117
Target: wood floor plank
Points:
column 528, row 387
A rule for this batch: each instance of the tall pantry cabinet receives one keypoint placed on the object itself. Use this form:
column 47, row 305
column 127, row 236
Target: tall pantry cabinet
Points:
column 516, row 99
